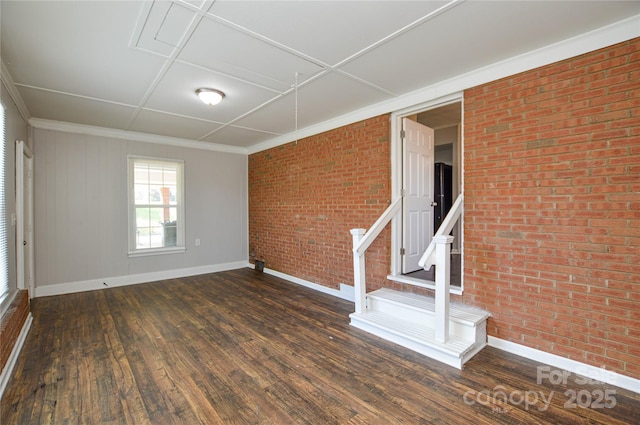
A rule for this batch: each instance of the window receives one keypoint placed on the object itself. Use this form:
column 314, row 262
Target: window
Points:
column 156, row 207
column 4, row 246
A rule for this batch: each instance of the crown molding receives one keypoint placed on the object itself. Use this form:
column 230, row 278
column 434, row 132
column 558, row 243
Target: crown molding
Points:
column 618, row 32
column 132, row 136
column 6, row 78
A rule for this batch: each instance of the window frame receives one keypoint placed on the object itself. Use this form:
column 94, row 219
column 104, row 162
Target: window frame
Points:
column 180, row 247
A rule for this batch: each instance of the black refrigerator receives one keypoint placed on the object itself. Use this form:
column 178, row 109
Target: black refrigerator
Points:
column 443, row 193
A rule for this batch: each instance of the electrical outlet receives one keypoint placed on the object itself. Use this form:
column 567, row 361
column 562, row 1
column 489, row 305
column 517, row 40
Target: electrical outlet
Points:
column 197, row 242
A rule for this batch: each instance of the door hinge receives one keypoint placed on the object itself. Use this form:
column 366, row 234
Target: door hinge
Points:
column 402, row 251
column 403, row 192
column 402, row 134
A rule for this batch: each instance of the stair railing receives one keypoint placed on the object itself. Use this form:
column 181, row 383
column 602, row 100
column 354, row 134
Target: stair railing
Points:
column 445, row 228
column 362, row 239
column 438, row 254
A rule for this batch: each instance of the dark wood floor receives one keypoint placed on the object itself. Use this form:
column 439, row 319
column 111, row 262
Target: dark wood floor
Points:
column 242, row 347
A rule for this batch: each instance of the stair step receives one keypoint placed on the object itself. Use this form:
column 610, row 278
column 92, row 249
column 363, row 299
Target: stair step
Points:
column 428, row 284
column 417, row 332
column 408, row 319
column 417, row 337
column 463, row 314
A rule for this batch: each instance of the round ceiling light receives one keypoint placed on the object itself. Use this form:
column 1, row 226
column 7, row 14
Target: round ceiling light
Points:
column 210, row 96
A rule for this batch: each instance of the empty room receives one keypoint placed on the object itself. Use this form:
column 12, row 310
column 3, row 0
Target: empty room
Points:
column 319, row 212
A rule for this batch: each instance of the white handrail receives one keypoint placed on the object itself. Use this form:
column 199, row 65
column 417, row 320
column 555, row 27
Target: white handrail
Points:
column 437, row 253
column 362, row 239
column 445, row 228
column 378, row 226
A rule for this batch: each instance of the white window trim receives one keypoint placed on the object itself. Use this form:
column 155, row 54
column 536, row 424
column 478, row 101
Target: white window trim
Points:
column 180, row 230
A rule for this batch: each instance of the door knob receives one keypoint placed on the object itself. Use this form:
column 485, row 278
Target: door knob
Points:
column 434, row 204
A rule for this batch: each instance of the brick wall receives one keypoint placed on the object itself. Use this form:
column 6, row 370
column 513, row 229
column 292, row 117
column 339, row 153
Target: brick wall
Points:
column 552, row 207
column 11, row 325
column 305, row 196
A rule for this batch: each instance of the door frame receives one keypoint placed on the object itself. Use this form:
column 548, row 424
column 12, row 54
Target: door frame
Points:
column 397, row 171
column 24, row 215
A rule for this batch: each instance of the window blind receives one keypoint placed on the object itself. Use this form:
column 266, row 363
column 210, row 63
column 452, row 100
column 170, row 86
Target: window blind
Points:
column 4, row 258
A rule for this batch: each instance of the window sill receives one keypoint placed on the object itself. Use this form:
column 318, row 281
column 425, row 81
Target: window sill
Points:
column 157, row 251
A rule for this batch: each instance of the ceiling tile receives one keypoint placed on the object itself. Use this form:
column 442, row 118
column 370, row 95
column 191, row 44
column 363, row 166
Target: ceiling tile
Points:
column 73, row 47
column 162, row 26
column 154, row 122
column 328, row 31
column 326, row 97
column 176, row 94
column 333, row 95
column 277, row 116
column 196, row 3
column 440, row 48
column 99, row 62
column 237, row 136
column 216, row 46
column 78, row 110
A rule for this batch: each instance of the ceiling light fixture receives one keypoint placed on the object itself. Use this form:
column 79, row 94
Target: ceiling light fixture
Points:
column 210, row 96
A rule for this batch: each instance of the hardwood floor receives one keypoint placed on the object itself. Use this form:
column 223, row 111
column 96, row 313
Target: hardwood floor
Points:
column 242, row 347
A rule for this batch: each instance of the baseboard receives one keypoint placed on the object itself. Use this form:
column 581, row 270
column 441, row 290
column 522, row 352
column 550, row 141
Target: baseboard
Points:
column 111, row 282
column 582, row 369
column 346, row 292
column 13, row 357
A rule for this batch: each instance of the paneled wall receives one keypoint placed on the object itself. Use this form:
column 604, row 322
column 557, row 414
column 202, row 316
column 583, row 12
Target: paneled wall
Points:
column 81, row 208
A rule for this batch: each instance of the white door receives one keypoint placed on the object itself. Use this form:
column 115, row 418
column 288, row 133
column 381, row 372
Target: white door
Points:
column 24, row 216
column 417, row 223
column 28, row 225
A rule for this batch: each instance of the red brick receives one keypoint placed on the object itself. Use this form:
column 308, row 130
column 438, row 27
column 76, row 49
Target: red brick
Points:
column 570, row 210
column 551, row 195
column 305, row 196
column 11, row 324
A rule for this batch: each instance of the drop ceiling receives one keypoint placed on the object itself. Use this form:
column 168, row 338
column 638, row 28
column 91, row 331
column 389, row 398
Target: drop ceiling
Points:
column 284, row 65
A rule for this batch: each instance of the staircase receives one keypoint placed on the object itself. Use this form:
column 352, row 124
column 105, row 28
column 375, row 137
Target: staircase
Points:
column 408, row 320
column 435, row 327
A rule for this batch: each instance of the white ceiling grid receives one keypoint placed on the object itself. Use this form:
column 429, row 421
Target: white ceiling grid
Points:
column 135, row 65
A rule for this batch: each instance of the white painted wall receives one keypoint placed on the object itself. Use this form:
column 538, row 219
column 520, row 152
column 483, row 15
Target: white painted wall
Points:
column 81, row 212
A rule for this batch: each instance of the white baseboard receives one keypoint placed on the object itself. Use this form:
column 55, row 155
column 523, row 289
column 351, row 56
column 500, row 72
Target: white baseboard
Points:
column 582, row 369
column 111, row 282
column 346, row 292
column 15, row 352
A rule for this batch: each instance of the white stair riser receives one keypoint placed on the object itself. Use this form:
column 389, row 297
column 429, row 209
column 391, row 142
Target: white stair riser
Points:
column 481, row 333
column 464, row 330
column 425, row 350
column 399, row 310
column 409, row 320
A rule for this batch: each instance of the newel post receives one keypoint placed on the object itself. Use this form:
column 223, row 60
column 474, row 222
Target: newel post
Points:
column 443, row 267
column 359, row 281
